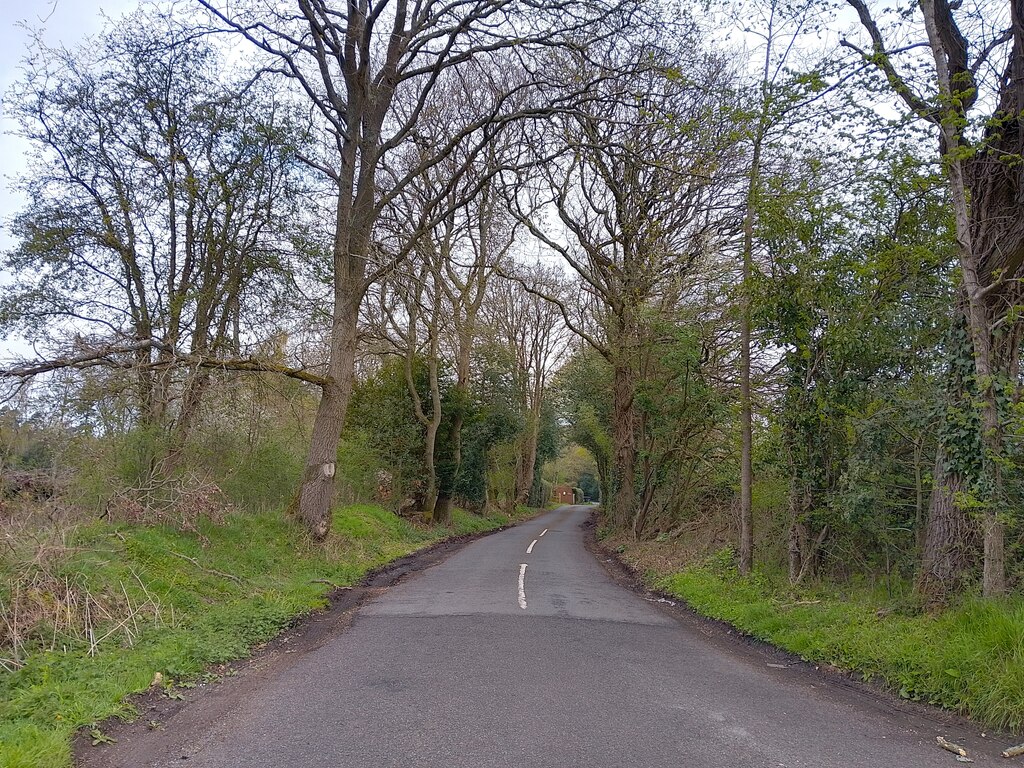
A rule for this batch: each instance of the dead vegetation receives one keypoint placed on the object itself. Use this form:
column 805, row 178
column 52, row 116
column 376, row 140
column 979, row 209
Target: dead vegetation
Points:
column 181, row 501
column 46, row 598
column 688, row 543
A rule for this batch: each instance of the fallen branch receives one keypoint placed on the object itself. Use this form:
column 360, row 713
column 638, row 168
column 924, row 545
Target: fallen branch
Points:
column 106, row 355
column 1016, row 751
column 328, row 583
column 254, row 365
column 212, row 571
column 89, row 359
column 949, row 746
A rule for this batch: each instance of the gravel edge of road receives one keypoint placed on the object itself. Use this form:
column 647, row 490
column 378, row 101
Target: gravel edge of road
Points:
column 732, row 639
column 307, row 632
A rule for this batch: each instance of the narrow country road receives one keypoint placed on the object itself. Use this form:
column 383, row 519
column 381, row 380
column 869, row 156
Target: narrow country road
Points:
column 520, row 650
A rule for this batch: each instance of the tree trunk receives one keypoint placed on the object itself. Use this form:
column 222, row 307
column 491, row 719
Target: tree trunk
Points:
column 979, row 323
column 443, row 509
column 948, row 539
column 449, row 483
column 316, row 495
column 527, row 459
column 430, row 465
column 624, row 447
column 181, row 430
column 746, row 562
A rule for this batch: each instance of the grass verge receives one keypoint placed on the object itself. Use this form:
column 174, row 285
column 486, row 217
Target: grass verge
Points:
column 185, row 601
column 968, row 658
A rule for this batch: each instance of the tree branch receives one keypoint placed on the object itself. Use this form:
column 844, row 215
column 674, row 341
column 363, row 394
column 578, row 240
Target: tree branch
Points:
column 879, row 57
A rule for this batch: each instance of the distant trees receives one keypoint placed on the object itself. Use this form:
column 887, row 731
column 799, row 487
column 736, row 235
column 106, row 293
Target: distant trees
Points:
column 631, row 186
column 530, row 327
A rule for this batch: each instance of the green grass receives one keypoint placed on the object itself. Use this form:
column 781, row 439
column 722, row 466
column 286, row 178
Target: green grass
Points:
column 204, row 618
column 968, row 658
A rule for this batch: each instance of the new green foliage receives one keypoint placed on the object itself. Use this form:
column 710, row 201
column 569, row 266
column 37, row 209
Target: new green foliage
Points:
column 855, row 299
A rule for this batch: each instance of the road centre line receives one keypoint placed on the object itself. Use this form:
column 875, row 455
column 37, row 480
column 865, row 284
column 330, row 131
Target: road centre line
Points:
column 522, row 586
column 529, row 549
column 543, row 532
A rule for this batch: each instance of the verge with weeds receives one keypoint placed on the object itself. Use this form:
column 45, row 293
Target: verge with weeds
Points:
column 141, row 600
column 968, row 658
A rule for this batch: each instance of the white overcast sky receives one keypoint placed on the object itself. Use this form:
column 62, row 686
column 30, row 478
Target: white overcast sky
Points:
column 63, row 21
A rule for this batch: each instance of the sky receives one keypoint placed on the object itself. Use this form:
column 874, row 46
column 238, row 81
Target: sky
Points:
column 62, row 21
column 65, row 22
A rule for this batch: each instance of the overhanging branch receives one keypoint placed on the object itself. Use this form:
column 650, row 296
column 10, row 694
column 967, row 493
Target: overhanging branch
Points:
column 108, row 356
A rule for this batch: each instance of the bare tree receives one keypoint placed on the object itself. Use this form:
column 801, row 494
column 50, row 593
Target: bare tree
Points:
column 441, row 287
column 634, row 193
column 533, row 329
column 352, row 63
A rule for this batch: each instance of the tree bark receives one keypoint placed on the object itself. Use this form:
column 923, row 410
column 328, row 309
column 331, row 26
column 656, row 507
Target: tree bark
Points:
column 949, row 535
column 316, row 495
column 979, row 322
column 623, row 490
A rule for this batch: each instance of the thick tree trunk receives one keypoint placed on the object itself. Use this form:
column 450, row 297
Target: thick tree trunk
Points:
column 993, row 578
column 976, row 281
column 949, row 536
column 443, row 509
column 623, row 490
column 316, row 495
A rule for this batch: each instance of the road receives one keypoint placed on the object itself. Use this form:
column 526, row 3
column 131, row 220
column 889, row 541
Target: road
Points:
column 521, row 650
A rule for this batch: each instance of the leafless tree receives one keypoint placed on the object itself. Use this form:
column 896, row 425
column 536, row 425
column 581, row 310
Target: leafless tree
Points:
column 533, row 329
column 370, row 70
column 634, row 194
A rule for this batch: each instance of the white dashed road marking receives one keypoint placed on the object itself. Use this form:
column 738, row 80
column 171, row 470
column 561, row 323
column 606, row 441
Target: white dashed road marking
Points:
column 522, row 586
column 529, row 549
column 543, row 532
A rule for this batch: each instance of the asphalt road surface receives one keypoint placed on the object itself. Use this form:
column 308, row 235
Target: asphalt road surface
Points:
column 521, row 650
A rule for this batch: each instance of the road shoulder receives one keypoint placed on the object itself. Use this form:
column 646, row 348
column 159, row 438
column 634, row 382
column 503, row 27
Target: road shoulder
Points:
column 840, row 683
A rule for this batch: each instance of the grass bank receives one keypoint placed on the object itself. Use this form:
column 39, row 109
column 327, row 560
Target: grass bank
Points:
column 142, row 600
column 968, row 658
